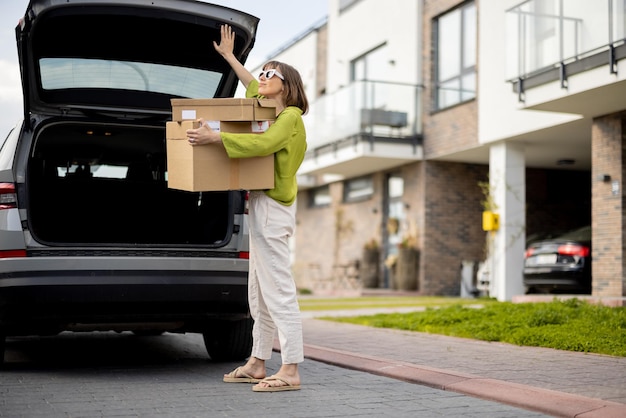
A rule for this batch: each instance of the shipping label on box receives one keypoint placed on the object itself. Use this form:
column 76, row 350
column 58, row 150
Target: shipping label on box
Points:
column 223, row 109
column 178, row 130
column 208, row 167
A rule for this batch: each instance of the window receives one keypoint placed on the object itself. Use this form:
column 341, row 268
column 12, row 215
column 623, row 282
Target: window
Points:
column 319, row 197
column 372, row 66
column 358, row 189
column 455, row 56
column 396, row 214
column 77, row 73
column 87, row 171
column 619, row 18
column 366, row 73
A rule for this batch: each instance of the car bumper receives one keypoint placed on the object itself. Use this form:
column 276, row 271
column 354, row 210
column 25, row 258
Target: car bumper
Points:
column 575, row 280
column 122, row 297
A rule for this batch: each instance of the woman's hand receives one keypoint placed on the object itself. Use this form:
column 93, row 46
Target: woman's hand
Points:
column 227, row 43
column 203, row 135
column 226, row 49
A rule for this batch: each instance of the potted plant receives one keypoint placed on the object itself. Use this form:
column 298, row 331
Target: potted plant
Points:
column 407, row 264
column 369, row 269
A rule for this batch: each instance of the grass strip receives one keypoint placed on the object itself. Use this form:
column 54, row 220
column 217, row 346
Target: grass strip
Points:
column 572, row 325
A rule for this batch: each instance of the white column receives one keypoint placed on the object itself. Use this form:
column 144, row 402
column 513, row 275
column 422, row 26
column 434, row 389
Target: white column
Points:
column 507, row 179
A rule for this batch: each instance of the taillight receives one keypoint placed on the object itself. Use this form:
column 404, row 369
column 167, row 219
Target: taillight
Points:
column 12, row 253
column 574, row 249
column 8, row 197
column 529, row 252
column 244, row 254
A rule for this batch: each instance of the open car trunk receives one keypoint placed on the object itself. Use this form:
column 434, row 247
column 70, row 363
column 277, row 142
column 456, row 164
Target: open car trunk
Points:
column 97, row 184
column 98, row 78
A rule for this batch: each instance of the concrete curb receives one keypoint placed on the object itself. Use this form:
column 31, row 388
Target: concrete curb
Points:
column 545, row 401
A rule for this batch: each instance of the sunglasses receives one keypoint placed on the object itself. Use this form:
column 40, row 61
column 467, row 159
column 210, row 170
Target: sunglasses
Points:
column 271, row 73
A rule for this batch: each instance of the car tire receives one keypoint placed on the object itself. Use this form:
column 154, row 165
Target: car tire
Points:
column 229, row 340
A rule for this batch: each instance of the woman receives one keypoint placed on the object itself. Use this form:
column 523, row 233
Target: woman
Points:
column 271, row 289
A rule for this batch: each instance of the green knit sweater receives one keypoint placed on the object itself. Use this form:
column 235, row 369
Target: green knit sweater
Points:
column 285, row 138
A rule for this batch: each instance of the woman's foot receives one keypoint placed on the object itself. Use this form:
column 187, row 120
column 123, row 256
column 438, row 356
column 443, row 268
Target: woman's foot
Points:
column 251, row 372
column 275, row 384
column 287, row 378
column 239, row 376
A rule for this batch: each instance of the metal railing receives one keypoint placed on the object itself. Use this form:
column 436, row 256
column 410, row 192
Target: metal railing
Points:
column 546, row 33
column 375, row 108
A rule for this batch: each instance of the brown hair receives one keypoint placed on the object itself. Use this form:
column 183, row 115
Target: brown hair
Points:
column 293, row 93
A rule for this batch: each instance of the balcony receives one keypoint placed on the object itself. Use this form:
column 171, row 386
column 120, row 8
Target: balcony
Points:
column 564, row 55
column 363, row 128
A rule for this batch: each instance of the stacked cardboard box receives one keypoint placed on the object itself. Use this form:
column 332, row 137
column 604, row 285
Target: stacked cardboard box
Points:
column 208, row 167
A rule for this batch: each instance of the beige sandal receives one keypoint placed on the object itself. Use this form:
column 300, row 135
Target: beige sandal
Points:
column 239, row 376
column 281, row 388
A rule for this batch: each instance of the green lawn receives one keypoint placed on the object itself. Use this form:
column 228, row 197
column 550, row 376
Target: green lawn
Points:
column 572, row 325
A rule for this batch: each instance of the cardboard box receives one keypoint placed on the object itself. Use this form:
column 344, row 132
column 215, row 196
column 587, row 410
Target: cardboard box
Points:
column 178, row 130
column 226, row 109
column 208, row 167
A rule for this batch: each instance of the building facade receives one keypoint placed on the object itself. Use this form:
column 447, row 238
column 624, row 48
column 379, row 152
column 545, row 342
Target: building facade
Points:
column 427, row 112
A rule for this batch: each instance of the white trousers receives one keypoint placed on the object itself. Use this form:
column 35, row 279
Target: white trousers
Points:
column 272, row 291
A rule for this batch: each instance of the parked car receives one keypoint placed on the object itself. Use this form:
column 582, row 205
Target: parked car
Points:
column 91, row 237
column 561, row 264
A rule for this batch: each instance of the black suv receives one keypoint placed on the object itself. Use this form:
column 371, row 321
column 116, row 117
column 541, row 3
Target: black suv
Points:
column 91, row 237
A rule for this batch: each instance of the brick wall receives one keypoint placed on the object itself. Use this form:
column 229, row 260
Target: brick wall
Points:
column 335, row 234
column 607, row 155
column 454, row 128
column 453, row 224
column 442, row 199
column 451, row 210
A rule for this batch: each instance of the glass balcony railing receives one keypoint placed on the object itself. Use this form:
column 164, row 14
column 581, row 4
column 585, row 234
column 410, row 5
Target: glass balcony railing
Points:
column 543, row 34
column 372, row 108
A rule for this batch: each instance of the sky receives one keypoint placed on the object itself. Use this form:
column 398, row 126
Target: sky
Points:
column 280, row 22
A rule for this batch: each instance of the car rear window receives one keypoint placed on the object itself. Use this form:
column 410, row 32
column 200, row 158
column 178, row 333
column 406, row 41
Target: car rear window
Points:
column 582, row 234
column 79, row 73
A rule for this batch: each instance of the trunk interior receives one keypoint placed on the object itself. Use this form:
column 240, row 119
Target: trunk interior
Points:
column 106, row 185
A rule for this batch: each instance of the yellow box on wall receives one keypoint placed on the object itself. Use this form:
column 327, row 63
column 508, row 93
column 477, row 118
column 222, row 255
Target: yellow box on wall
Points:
column 491, row 221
